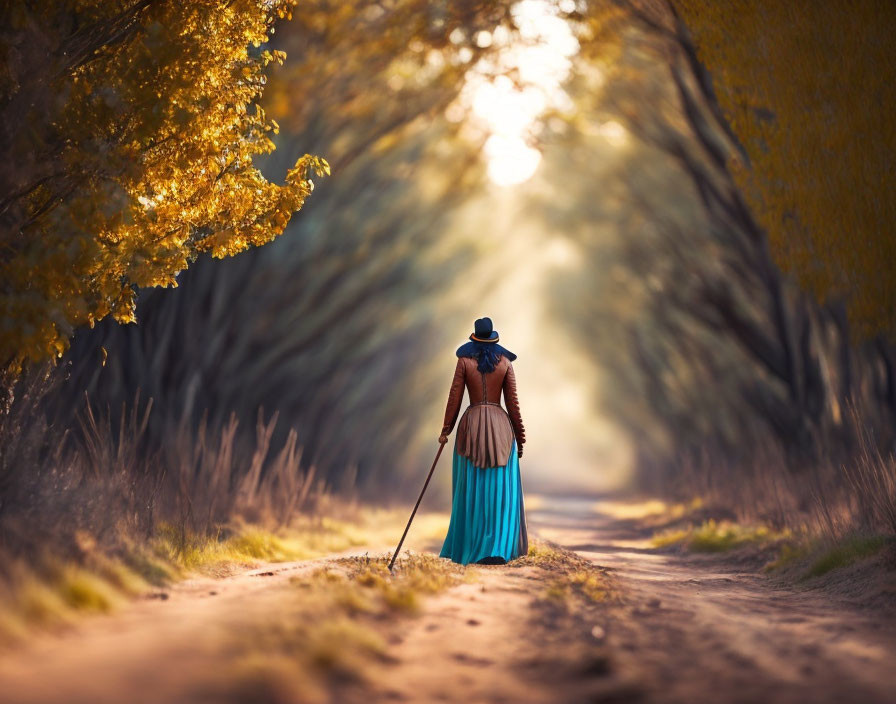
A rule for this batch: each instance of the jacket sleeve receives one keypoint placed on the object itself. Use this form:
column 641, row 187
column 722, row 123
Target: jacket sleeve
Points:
column 455, row 396
column 513, row 406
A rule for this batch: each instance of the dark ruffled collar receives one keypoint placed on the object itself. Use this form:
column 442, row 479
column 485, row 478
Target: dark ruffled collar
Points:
column 471, row 349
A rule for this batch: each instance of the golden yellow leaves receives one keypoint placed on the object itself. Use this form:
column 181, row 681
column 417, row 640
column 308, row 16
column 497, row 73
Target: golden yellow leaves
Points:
column 276, row 56
column 307, row 164
column 259, row 211
column 125, row 304
column 155, row 136
column 807, row 87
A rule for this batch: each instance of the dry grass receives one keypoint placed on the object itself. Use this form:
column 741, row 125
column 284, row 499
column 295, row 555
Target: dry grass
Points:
column 304, row 537
column 61, row 589
column 415, row 575
column 331, row 634
column 110, row 483
column 720, row 536
column 99, row 517
column 825, row 503
column 333, row 637
column 569, row 577
column 799, row 555
column 869, row 490
column 846, row 552
column 816, row 558
column 91, row 517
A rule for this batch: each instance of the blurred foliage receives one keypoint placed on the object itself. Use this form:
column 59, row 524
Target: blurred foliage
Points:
column 809, row 89
column 128, row 132
column 675, row 373
column 331, row 336
column 709, row 356
column 336, row 324
column 375, row 67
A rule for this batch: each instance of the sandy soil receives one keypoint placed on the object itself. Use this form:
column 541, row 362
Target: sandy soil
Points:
column 160, row 649
column 684, row 628
column 712, row 628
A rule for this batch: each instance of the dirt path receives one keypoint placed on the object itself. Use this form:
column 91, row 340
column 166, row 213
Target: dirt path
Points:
column 684, row 629
column 697, row 628
column 159, row 649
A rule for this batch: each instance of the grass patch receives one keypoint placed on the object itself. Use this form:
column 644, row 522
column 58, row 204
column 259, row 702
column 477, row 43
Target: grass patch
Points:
column 307, row 537
column 807, row 559
column 847, row 551
column 571, row 577
column 83, row 590
column 547, row 555
column 58, row 590
column 40, row 603
column 719, row 536
column 240, row 545
column 650, row 508
column 60, row 593
column 365, row 584
column 333, row 633
column 788, row 555
column 589, row 585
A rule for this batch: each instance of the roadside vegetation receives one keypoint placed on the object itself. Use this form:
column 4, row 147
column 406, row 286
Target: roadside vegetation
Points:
column 97, row 520
column 799, row 545
column 61, row 587
column 809, row 559
column 719, row 536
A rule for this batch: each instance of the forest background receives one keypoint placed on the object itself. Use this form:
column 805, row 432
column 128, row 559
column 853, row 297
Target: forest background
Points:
column 679, row 218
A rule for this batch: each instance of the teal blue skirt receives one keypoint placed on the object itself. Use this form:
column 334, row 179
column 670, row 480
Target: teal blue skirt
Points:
column 488, row 518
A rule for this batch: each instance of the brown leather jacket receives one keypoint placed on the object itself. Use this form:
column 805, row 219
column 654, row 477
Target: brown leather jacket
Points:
column 486, row 431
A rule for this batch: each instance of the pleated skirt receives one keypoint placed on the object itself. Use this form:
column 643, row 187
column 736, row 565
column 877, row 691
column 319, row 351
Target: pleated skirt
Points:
column 488, row 517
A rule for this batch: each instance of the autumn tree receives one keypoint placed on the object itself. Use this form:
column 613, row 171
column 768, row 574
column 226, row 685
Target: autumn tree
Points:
column 712, row 355
column 128, row 131
column 326, row 324
column 809, row 90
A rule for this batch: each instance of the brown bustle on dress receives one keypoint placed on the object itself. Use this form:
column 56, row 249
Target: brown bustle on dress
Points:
column 486, row 431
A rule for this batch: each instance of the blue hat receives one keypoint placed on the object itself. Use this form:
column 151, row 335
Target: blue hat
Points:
column 483, row 332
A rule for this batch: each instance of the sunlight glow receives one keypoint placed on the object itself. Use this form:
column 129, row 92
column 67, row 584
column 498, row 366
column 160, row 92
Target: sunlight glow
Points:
column 510, row 159
column 614, row 133
column 562, row 253
column 508, row 111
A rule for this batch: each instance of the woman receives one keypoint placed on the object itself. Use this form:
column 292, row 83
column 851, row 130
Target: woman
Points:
column 488, row 520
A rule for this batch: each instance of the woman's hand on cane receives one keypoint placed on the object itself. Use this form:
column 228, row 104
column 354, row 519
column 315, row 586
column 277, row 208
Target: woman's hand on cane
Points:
column 443, row 439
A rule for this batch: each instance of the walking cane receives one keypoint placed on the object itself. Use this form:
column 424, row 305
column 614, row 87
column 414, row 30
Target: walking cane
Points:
column 419, row 499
